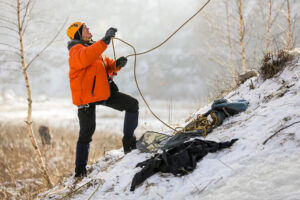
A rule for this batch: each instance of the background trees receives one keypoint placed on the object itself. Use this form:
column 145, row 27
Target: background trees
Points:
column 241, row 33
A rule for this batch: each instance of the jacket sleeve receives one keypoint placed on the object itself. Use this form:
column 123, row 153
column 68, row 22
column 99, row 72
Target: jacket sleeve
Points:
column 111, row 65
column 82, row 56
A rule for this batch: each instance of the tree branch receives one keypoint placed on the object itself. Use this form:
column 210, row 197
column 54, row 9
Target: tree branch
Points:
column 25, row 28
column 25, row 14
column 11, row 6
column 5, row 61
column 51, row 41
column 279, row 131
column 5, row 17
column 275, row 17
column 11, row 51
column 9, row 28
column 10, row 69
column 11, row 22
column 9, row 36
column 9, row 46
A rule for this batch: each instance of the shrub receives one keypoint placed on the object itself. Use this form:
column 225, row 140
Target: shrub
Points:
column 273, row 63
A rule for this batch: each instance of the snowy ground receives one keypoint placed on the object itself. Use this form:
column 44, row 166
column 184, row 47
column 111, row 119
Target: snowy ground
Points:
column 247, row 170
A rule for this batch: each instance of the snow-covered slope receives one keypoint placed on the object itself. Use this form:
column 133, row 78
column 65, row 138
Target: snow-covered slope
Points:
column 247, row 170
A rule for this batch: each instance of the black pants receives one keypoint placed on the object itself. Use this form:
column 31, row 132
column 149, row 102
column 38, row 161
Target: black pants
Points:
column 118, row 101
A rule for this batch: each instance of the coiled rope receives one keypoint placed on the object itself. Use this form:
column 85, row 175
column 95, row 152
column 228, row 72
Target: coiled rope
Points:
column 135, row 54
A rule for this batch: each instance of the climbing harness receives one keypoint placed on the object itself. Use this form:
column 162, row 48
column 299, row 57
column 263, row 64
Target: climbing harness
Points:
column 135, row 54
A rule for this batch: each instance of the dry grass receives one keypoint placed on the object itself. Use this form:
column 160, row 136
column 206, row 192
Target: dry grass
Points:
column 19, row 175
column 273, row 63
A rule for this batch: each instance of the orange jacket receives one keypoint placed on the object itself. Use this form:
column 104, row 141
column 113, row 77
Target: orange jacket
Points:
column 88, row 77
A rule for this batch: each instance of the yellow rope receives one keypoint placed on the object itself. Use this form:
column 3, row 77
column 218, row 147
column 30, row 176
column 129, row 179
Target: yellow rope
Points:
column 113, row 45
column 135, row 54
column 138, row 87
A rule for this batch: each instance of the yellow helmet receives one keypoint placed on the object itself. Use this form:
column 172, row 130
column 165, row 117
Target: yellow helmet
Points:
column 73, row 28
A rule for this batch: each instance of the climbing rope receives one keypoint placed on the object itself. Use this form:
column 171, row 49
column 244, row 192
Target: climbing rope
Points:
column 172, row 33
column 135, row 54
column 138, row 87
column 113, row 45
column 202, row 123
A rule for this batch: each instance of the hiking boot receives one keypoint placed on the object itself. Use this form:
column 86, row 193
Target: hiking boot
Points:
column 80, row 173
column 133, row 143
column 129, row 143
column 126, row 144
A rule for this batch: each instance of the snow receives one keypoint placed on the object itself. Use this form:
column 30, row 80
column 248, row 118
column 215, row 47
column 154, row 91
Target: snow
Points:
column 247, row 170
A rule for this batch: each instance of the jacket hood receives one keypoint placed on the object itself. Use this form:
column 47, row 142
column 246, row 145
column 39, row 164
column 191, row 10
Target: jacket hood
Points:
column 74, row 42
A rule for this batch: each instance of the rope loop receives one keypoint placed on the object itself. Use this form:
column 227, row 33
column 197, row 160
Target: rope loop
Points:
column 135, row 54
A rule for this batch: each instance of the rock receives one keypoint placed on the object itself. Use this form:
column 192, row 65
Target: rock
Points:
column 245, row 76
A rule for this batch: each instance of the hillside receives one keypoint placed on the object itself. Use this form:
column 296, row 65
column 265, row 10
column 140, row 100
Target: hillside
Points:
column 247, row 170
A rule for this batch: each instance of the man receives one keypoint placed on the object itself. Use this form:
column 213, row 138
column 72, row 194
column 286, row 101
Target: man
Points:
column 91, row 84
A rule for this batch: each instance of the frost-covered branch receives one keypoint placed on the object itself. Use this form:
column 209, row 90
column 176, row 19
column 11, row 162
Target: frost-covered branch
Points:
column 11, row 51
column 25, row 13
column 8, row 21
column 9, row 45
column 9, row 5
column 9, row 28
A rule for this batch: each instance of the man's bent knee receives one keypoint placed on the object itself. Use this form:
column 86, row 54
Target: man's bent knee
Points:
column 84, row 140
column 134, row 106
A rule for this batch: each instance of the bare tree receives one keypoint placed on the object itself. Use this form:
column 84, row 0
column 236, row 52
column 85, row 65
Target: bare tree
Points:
column 285, row 21
column 220, row 51
column 277, row 15
column 15, row 26
column 230, row 45
column 242, row 34
column 290, row 35
column 30, row 132
column 269, row 26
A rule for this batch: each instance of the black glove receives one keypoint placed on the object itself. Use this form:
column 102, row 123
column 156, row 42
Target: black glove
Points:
column 121, row 62
column 111, row 32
